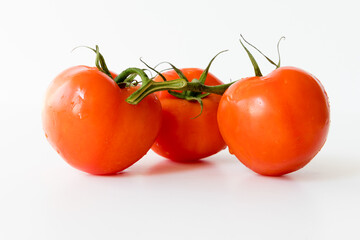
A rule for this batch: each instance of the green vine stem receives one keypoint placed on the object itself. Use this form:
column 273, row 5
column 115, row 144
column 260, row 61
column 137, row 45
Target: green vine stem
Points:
column 179, row 84
column 191, row 91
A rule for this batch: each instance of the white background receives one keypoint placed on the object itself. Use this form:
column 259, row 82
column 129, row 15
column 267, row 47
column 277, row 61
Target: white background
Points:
column 41, row 197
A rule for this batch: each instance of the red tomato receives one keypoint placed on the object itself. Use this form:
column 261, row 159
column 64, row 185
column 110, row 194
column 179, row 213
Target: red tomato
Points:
column 86, row 119
column 277, row 123
column 182, row 137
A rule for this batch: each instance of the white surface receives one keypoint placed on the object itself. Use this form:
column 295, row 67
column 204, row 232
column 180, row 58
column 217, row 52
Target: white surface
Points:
column 43, row 198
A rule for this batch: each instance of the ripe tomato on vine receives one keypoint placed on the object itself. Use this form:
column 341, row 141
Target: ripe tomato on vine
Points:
column 185, row 135
column 87, row 120
column 275, row 124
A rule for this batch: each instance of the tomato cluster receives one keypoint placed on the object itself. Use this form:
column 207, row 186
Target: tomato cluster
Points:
column 273, row 124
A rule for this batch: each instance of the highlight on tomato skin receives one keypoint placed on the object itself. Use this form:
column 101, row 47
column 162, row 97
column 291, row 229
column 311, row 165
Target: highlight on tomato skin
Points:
column 186, row 136
column 275, row 124
column 88, row 122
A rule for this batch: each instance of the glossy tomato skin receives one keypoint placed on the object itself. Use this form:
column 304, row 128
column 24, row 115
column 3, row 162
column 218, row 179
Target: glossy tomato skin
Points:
column 182, row 137
column 277, row 123
column 87, row 121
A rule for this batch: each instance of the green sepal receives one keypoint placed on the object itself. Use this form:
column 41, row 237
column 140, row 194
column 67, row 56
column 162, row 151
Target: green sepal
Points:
column 159, row 73
column 99, row 60
column 206, row 71
column 253, row 61
column 267, row 58
column 189, row 98
column 102, row 62
column 179, row 72
column 278, row 50
column 202, row 95
column 259, row 51
column 177, row 94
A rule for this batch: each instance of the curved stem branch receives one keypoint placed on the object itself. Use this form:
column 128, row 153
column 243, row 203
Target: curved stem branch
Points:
column 178, row 84
column 152, row 86
column 127, row 72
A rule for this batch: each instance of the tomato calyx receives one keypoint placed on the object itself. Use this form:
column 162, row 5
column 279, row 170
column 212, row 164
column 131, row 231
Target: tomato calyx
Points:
column 194, row 90
column 252, row 59
column 123, row 80
column 188, row 94
column 99, row 60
